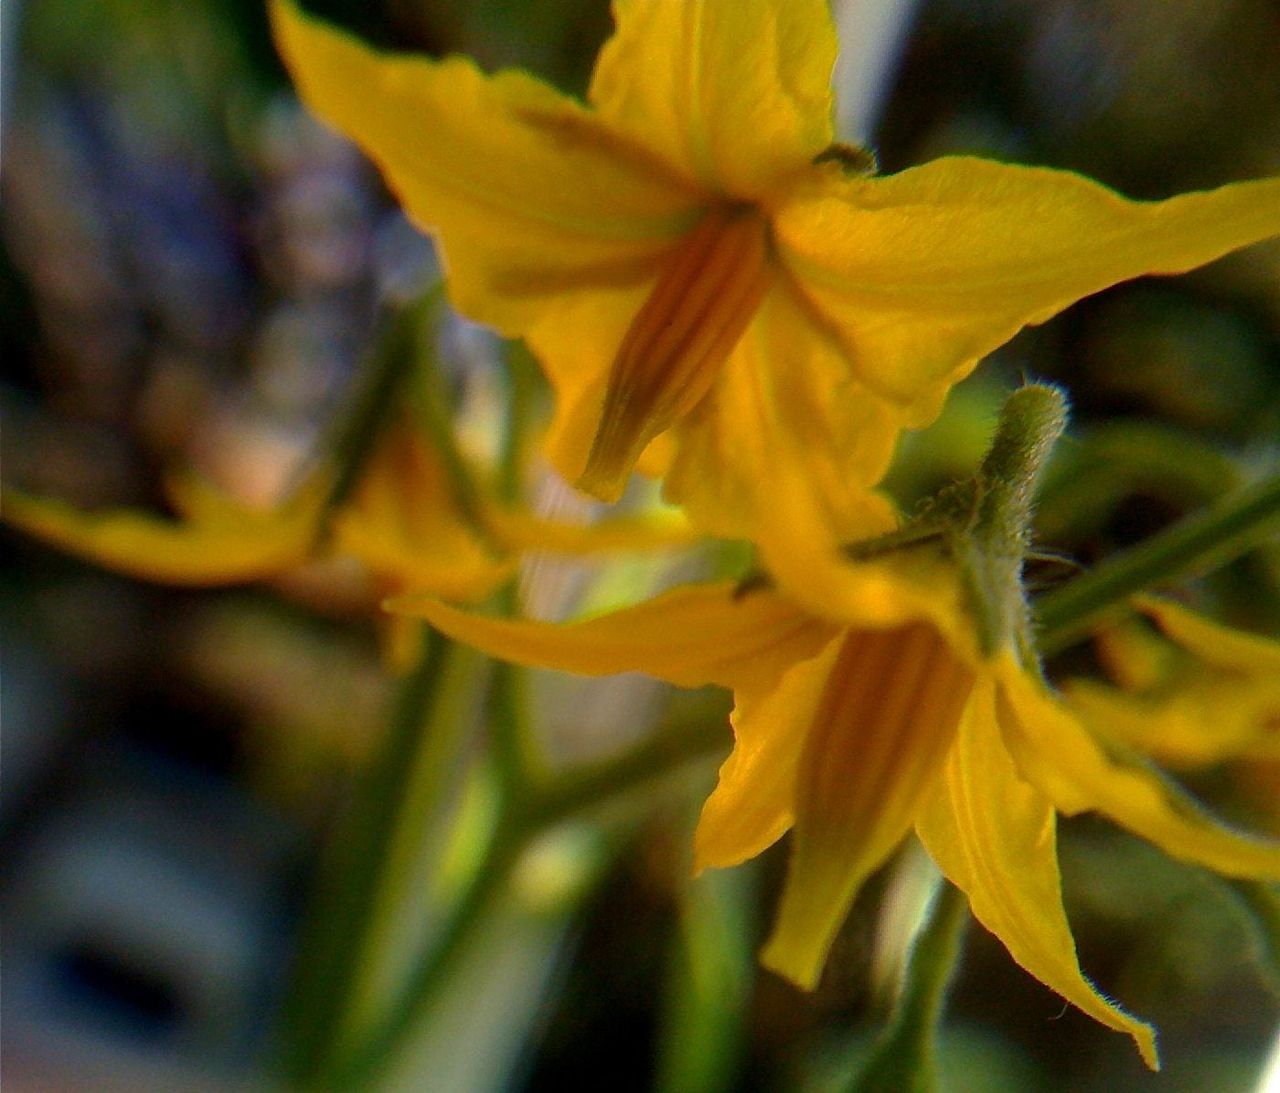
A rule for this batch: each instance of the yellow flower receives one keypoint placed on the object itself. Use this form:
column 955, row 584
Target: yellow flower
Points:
column 402, row 522
column 217, row 541
column 1201, row 694
column 691, row 254
column 876, row 714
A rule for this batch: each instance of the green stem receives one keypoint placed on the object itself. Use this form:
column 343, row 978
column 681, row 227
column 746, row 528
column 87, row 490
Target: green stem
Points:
column 519, row 761
column 1260, row 900
column 1202, row 541
column 986, row 519
column 903, row 1060
column 526, row 816
column 582, row 788
column 348, row 884
column 434, row 405
column 430, row 772
column 374, row 1055
column 386, row 369
column 521, row 375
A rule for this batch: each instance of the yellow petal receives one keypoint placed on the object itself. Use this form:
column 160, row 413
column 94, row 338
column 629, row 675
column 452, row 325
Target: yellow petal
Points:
column 676, row 345
column 1068, row 764
column 879, row 736
column 199, row 501
column 576, row 342
column 753, row 802
column 917, row 582
column 1212, row 642
column 530, row 193
column 149, row 547
column 523, row 531
column 690, row 636
column 926, row 271
column 405, row 526
column 784, row 428
column 739, row 94
column 1201, row 718
column 993, row 836
column 1213, row 696
column 469, row 574
column 1135, row 656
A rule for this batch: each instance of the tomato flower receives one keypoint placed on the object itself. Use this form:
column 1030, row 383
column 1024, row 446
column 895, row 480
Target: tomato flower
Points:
column 691, row 254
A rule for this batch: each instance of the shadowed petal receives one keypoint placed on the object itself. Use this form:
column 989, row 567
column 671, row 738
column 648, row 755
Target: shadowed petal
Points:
column 676, row 345
column 690, row 636
column 1065, row 762
column 1222, row 646
column 993, row 836
column 753, row 802
column 230, row 546
column 880, row 733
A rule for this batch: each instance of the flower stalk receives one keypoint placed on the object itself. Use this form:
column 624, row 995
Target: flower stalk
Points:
column 387, row 368
column 1198, row 543
column 353, row 883
column 992, row 551
column 904, row 1058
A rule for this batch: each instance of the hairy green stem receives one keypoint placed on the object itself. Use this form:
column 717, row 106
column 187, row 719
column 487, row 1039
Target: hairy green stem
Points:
column 1031, row 422
column 991, row 550
column 903, row 1060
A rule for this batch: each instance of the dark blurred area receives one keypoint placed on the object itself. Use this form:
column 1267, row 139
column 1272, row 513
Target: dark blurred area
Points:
column 190, row 272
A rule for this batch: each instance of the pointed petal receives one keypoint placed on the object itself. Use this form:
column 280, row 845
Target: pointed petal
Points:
column 752, row 804
column 993, row 836
column 152, row 548
column 879, row 736
column 1077, row 772
column 738, row 94
column 530, row 193
column 1212, row 642
column 926, row 271
column 690, row 636
column 1202, row 718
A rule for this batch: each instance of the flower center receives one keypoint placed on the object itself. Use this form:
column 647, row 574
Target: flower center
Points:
column 671, row 353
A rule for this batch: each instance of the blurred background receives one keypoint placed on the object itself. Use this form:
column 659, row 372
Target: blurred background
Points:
column 192, row 270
